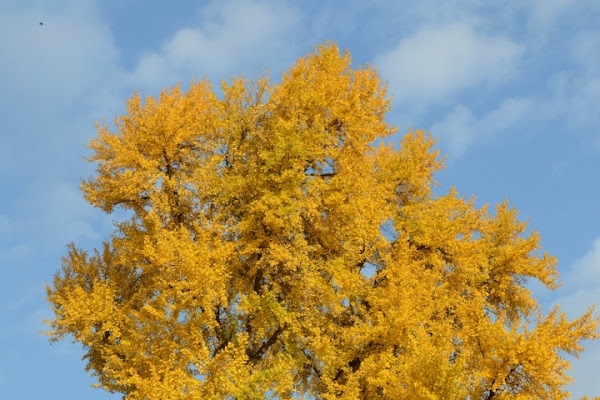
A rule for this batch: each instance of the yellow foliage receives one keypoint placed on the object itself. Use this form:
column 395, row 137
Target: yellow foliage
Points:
column 277, row 247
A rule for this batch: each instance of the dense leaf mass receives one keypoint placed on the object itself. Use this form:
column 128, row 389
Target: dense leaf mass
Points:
column 277, row 247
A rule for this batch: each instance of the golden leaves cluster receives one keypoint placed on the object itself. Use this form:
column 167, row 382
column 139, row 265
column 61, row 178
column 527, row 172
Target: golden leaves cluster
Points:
column 278, row 246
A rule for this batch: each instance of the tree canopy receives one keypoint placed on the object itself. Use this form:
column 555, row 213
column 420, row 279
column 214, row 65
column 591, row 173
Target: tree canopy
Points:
column 277, row 247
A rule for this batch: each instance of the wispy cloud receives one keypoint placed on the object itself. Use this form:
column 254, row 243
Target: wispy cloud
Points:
column 581, row 288
column 582, row 281
column 460, row 128
column 544, row 13
column 586, row 51
column 49, row 66
column 34, row 292
column 228, row 34
column 435, row 63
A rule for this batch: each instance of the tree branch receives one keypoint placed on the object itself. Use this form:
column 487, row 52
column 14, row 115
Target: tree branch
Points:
column 255, row 356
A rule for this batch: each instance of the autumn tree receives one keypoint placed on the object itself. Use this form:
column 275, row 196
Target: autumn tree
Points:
column 276, row 247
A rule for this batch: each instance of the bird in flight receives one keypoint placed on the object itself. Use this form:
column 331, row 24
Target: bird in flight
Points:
column 41, row 23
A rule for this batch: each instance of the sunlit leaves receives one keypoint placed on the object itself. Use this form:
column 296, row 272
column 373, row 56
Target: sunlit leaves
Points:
column 277, row 246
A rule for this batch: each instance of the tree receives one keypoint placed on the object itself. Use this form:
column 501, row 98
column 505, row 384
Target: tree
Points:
column 277, row 247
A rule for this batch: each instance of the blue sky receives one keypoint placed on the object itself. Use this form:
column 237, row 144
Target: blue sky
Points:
column 512, row 91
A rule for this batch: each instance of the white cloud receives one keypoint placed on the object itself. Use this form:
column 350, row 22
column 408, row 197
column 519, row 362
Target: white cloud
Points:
column 436, row 63
column 54, row 78
column 585, row 272
column 460, row 128
column 580, row 290
column 46, row 217
column 568, row 102
column 550, row 20
column 585, row 120
column 246, row 31
column 29, row 294
column 587, row 50
column 62, row 217
column 545, row 12
column 581, row 284
column 67, row 58
column 575, row 90
column 585, row 372
column 17, row 253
